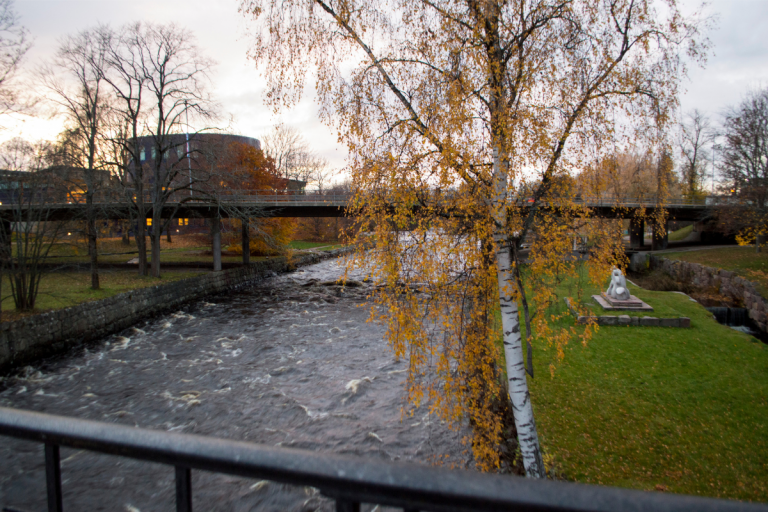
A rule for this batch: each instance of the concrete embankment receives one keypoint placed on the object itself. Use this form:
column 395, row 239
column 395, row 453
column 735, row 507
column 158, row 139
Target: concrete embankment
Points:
column 34, row 337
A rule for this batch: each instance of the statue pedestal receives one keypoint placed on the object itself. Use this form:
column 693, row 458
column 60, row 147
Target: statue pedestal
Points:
column 631, row 304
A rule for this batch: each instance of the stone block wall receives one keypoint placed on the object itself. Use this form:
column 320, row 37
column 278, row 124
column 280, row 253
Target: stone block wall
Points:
column 33, row 337
column 721, row 281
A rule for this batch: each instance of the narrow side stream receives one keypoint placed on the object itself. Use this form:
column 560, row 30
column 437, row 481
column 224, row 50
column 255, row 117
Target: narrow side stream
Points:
column 738, row 319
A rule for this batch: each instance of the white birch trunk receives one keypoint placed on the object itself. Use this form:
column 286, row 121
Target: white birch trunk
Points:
column 527, row 437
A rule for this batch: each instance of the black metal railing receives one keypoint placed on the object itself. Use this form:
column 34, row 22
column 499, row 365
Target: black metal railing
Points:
column 349, row 481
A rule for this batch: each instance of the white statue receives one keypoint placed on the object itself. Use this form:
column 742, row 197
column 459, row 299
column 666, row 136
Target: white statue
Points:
column 618, row 288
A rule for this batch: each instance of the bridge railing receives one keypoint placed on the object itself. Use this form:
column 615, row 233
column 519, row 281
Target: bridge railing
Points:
column 611, row 201
column 349, row 481
column 229, row 196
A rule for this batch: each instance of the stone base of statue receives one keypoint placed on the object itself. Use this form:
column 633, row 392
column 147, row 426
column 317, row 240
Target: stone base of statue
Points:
column 630, row 304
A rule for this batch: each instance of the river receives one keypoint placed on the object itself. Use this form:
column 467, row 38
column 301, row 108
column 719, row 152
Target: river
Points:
column 290, row 361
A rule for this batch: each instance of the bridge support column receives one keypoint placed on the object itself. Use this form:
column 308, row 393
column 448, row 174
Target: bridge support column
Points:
column 216, row 238
column 246, row 225
column 660, row 238
column 636, row 233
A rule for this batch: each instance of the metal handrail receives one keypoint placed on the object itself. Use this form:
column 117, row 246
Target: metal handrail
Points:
column 350, row 481
column 339, row 198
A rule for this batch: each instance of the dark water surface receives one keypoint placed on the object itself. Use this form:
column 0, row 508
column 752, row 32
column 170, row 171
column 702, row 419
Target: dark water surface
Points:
column 290, row 361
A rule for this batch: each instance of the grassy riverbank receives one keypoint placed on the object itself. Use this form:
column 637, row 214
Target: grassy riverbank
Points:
column 680, row 234
column 744, row 261
column 182, row 249
column 64, row 289
column 681, row 410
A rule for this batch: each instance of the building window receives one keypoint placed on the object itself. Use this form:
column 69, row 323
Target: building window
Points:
column 179, row 152
column 143, row 155
column 149, row 222
column 183, row 222
column 154, row 153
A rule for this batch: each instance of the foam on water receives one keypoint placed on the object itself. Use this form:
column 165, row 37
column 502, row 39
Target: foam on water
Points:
column 258, row 366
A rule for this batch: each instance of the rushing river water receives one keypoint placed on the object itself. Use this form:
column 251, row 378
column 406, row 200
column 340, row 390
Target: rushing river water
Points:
column 291, row 361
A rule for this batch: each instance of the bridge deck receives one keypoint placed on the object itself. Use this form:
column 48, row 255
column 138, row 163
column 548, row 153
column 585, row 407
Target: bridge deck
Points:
column 323, row 206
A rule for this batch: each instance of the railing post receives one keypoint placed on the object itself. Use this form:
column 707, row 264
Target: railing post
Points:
column 343, row 505
column 660, row 238
column 216, row 242
column 636, row 233
column 183, row 489
column 246, row 241
column 53, row 477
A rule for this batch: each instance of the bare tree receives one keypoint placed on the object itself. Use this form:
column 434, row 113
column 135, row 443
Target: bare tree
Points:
column 14, row 44
column 695, row 137
column 18, row 154
column 160, row 80
column 292, row 155
column 26, row 233
column 126, row 78
column 75, row 81
column 176, row 78
column 745, row 167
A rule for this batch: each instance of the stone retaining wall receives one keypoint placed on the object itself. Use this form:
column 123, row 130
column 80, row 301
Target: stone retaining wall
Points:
column 721, row 281
column 42, row 335
column 644, row 321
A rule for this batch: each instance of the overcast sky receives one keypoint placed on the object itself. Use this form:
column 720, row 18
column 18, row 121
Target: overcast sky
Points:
column 739, row 62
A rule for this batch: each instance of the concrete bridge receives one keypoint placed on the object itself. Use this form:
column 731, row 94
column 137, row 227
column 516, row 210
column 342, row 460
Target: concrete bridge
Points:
column 251, row 204
column 236, row 203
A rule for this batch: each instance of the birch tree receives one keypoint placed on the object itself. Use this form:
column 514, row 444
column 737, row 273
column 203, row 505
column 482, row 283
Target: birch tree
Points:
column 448, row 108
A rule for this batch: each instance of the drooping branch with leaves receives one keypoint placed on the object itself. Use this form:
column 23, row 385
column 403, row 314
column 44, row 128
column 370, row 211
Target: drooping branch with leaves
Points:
column 462, row 119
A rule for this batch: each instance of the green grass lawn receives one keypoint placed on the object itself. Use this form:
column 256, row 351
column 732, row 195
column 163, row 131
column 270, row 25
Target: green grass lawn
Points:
column 683, row 410
column 167, row 255
column 62, row 290
column 184, row 248
column 742, row 260
column 680, row 234
column 113, row 252
column 302, row 245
